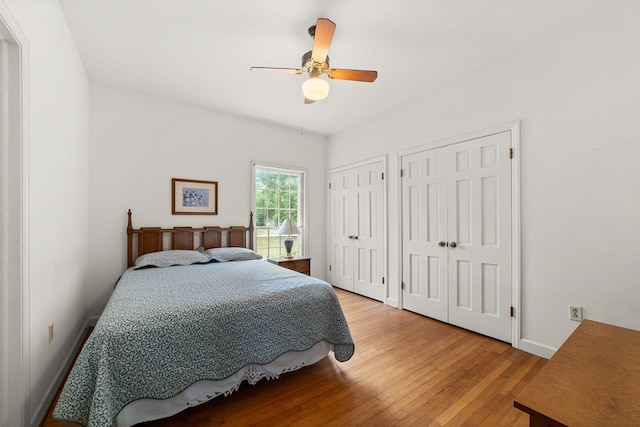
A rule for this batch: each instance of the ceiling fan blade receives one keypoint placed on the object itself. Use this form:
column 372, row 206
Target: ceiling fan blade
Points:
column 308, row 101
column 279, row 70
column 322, row 39
column 356, row 75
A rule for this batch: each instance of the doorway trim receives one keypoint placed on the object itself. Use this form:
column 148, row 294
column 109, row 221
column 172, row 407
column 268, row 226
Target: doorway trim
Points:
column 514, row 128
column 14, row 225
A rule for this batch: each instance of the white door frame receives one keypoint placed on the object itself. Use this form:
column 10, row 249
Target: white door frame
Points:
column 343, row 168
column 15, row 401
column 514, row 128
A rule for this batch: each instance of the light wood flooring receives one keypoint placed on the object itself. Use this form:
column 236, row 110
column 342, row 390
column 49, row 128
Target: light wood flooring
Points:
column 408, row 370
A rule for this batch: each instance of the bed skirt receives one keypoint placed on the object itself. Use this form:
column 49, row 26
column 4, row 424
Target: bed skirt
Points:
column 202, row 391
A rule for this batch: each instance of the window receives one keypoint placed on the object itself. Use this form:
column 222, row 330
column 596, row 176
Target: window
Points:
column 278, row 194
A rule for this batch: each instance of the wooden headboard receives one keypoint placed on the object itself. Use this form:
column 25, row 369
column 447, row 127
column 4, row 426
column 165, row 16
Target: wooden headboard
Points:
column 152, row 239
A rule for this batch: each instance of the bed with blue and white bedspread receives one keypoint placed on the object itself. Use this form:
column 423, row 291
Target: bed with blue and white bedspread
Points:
column 166, row 331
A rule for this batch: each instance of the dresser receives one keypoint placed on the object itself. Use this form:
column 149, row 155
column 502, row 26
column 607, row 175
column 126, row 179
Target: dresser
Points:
column 299, row 264
column 592, row 380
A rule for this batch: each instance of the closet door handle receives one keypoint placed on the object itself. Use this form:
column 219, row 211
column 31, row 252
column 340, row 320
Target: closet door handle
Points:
column 442, row 244
column 355, row 237
column 452, row 244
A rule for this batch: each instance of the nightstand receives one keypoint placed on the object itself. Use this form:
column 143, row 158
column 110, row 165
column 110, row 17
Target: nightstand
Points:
column 299, row 264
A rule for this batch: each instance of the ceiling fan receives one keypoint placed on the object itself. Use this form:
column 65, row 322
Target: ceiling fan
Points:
column 315, row 63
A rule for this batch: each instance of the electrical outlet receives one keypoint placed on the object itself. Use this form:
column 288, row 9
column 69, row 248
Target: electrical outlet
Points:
column 575, row 313
column 50, row 333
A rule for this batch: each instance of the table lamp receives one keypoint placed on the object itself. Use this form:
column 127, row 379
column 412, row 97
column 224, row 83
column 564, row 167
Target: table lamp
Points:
column 288, row 228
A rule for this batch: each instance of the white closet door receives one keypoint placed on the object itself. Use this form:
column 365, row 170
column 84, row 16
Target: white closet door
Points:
column 456, row 234
column 342, row 226
column 368, row 235
column 357, row 230
column 479, row 222
column 424, row 215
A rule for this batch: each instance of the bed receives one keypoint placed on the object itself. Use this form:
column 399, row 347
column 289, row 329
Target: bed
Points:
column 195, row 314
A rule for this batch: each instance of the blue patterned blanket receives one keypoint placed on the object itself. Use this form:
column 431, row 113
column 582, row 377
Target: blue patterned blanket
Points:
column 167, row 328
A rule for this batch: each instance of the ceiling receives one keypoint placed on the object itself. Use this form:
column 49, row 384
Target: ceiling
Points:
column 200, row 51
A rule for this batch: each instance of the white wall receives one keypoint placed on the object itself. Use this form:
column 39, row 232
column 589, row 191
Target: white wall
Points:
column 578, row 98
column 57, row 193
column 140, row 142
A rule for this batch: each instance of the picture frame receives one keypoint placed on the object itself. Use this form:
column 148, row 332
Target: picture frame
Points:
column 194, row 197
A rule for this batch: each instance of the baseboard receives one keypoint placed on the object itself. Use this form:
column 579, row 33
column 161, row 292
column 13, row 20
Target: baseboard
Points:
column 537, row 348
column 393, row 302
column 45, row 404
column 93, row 320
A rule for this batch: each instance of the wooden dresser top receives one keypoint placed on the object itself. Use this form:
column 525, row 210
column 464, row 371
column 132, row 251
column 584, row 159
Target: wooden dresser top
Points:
column 593, row 379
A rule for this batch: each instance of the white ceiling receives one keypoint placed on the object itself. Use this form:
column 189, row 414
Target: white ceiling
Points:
column 200, row 51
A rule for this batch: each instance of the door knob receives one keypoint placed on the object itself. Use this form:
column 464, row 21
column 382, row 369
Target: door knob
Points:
column 355, row 237
column 442, row 244
column 452, row 244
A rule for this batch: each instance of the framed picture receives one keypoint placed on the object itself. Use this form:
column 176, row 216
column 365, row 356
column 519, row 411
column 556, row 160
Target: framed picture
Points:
column 193, row 197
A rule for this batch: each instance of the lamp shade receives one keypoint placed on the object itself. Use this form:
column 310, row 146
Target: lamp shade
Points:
column 315, row 88
column 288, row 227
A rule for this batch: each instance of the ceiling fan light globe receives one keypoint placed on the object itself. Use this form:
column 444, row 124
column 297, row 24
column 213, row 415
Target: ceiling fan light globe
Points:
column 315, row 88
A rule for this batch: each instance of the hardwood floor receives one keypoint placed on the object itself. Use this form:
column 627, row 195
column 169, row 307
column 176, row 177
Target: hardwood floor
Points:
column 408, row 370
